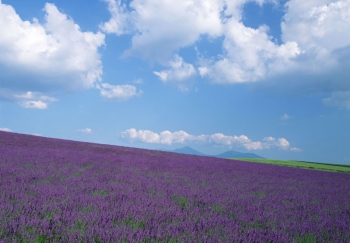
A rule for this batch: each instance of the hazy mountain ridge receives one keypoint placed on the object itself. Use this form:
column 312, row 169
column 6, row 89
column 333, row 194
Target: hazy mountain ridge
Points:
column 227, row 154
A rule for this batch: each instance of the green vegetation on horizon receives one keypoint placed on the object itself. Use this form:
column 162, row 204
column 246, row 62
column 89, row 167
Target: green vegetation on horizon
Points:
column 301, row 164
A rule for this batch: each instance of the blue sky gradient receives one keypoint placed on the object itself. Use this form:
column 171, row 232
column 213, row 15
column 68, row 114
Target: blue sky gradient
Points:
column 269, row 77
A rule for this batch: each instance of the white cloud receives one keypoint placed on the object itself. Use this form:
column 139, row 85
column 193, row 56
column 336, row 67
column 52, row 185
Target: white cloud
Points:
column 314, row 55
column 319, row 24
column 321, row 30
column 220, row 138
column 285, row 117
column 250, row 55
column 269, row 139
column 120, row 20
column 118, row 92
column 33, row 100
column 282, row 143
column 29, row 99
column 340, row 99
column 161, row 28
column 52, row 57
column 85, row 130
column 141, row 135
column 203, row 71
column 181, row 137
column 295, row 149
column 179, row 71
column 167, row 137
column 266, row 143
column 5, row 129
column 313, row 58
column 34, row 104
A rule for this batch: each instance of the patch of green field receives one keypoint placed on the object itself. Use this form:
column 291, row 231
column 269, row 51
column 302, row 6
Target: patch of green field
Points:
column 301, row 164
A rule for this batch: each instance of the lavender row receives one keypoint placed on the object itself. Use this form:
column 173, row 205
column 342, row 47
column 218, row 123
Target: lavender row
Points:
column 64, row 191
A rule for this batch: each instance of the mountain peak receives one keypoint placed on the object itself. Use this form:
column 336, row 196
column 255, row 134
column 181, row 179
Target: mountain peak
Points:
column 187, row 150
column 227, row 154
column 235, row 154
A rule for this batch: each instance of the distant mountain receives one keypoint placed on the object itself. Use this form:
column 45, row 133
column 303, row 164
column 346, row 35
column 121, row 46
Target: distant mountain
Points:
column 225, row 155
column 188, row 150
column 235, row 154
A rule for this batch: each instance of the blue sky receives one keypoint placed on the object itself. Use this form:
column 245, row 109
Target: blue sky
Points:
column 269, row 77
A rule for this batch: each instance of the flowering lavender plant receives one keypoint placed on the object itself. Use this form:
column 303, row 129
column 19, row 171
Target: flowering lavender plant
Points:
column 63, row 191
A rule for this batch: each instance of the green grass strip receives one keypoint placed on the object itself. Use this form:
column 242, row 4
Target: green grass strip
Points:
column 301, row 164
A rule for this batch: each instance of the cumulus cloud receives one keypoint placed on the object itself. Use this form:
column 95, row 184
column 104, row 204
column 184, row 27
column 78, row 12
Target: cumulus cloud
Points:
column 313, row 56
column 250, row 54
column 179, row 71
column 282, row 143
column 118, row 92
column 5, row 129
column 167, row 137
column 317, row 24
column 34, row 104
column 203, row 71
column 119, row 22
column 43, row 58
column 35, row 100
column 161, row 28
column 85, row 130
column 141, row 135
column 321, row 30
column 247, row 143
column 175, row 137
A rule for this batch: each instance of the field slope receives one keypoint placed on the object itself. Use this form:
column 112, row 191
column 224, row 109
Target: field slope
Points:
column 300, row 164
column 54, row 190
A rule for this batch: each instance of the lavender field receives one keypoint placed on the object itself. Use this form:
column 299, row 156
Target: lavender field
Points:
column 63, row 191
